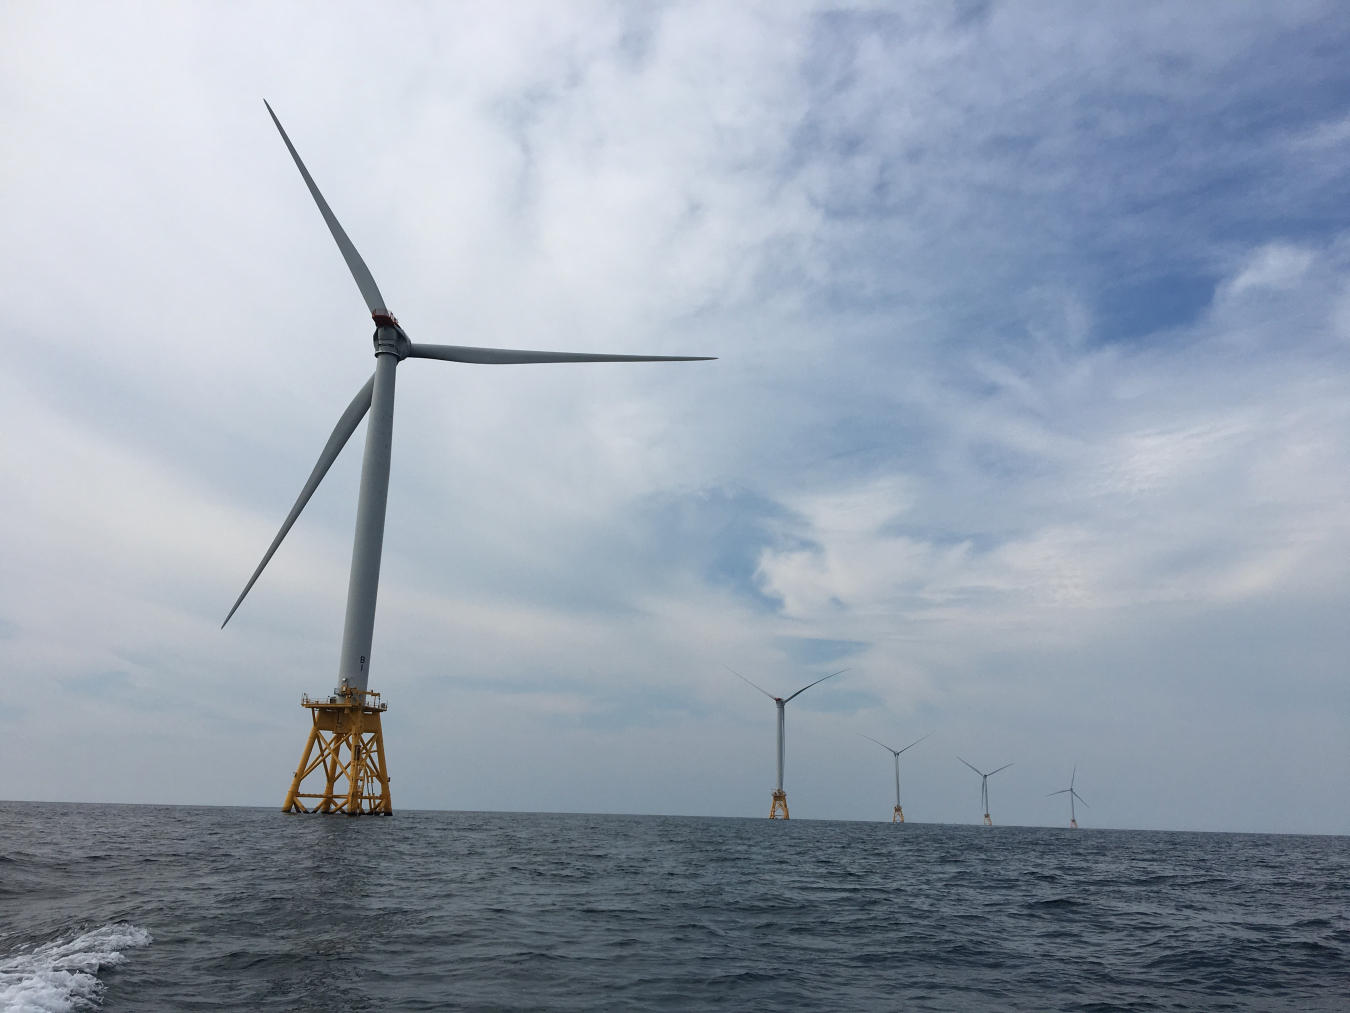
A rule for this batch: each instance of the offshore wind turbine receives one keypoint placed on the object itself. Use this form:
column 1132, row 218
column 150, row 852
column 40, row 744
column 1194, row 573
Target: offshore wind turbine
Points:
column 1073, row 816
column 779, row 802
column 899, row 815
column 346, row 726
column 984, row 788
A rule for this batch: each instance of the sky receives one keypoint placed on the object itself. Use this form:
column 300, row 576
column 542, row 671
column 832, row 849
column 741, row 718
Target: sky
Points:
column 1031, row 406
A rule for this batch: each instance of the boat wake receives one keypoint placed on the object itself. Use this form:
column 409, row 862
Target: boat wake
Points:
column 62, row 975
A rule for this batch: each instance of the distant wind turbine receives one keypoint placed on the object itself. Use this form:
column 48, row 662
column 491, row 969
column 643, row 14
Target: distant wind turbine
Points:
column 1073, row 816
column 779, row 803
column 899, row 815
column 984, row 788
column 350, row 718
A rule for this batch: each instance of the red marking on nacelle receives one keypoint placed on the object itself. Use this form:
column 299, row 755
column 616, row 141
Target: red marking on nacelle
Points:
column 384, row 318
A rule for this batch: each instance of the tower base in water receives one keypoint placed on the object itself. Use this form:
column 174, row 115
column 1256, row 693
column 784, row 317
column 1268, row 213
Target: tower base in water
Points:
column 345, row 748
column 778, row 810
column 987, row 821
column 1073, row 824
column 898, row 816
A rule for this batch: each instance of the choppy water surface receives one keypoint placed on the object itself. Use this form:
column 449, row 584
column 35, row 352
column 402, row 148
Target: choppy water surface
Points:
column 146, row 908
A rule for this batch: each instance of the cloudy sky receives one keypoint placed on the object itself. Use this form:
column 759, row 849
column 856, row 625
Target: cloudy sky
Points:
column 1032, row 405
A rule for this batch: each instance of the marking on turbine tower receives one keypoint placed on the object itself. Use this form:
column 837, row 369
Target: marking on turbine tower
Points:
column 984, row 788
column 346, row 726
column 1073, row 816
column 778, row 808
column 898, row 816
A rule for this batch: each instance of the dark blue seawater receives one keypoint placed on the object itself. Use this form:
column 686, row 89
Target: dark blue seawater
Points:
column 160, row 908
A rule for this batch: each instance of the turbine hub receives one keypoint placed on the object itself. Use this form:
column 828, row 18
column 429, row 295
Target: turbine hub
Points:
column 389, row 337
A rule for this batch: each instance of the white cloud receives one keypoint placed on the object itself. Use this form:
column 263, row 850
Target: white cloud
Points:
column 932, row 443
column 1277, row 265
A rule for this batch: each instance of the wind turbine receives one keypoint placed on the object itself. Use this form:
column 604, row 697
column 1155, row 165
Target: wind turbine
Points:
column 984, row 788
column 1073, row 816
column 346, row 726
column 899, row 815
column 779, row 795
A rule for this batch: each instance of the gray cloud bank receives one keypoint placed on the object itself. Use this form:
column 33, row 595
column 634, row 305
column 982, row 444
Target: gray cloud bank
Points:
column 1031, row 405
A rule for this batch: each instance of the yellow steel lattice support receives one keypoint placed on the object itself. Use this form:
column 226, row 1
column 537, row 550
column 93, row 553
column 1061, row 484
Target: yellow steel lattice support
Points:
column 898, row 816
column 346, row 749
column 778, row 810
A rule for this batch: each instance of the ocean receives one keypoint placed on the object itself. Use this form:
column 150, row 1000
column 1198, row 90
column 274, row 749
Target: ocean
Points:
column 158, row 908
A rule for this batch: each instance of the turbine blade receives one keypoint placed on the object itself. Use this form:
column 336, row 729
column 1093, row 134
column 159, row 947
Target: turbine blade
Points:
column 1073, row 775
column 1060, row 792
column 914, row 743
column 883, row 745
column 816, row 683
column 369, row 290
column 1080, row 798
column 748, row 682
column 976, row 769
column 342, row 432
column 1004, row 767
column 515, row 356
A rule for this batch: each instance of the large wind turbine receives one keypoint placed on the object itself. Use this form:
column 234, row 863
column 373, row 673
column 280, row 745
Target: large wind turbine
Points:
column 899, row 815
column 351, row 715
column 984, row 788
column 1073, row 816
column 779, row 795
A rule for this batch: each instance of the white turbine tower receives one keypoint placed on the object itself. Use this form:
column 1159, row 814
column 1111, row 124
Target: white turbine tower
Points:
column 984, row 788
column 1073, row 816
column 779, row 803
column 899, row 815
column 346, row 726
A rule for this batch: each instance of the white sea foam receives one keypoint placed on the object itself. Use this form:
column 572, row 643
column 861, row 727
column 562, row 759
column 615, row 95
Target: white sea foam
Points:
column 63, row 975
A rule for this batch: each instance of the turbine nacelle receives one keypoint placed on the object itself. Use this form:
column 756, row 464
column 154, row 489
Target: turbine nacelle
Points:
column 389, row 337
column 392, row 341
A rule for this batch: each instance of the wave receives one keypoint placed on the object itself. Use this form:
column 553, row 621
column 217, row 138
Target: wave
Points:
column 62, row 975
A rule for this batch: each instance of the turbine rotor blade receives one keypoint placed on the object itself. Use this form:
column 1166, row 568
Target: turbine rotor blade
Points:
column 520, row 356
column 883, row 745
column 749, row 683
column 816, row 683
column 342, row 432
column 914, row 743
column 1061, row 791
column 976, row 769
column 369, row 290
column 1079, row 797
column 993, row 772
